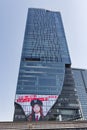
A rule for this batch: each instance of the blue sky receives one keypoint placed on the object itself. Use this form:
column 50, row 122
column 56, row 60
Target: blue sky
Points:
column 13, row 15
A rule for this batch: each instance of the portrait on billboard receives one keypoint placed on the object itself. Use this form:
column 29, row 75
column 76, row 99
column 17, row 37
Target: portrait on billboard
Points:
column 37, row 111
column 36, row 107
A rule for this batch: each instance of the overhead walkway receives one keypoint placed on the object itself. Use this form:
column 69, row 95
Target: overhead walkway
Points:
column 75, row 125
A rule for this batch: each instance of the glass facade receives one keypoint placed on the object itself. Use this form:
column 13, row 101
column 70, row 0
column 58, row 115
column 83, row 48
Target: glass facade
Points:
column 80, row 77
column 45, row 82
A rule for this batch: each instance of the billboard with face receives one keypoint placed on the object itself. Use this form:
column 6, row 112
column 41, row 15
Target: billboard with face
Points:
column 36, row 107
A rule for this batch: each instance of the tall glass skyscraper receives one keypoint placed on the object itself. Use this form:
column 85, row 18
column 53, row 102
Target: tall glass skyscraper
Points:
column 45, row 88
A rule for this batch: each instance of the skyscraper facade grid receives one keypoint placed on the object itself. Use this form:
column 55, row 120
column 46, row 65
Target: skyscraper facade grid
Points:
column 45, row 88
column 80, row 78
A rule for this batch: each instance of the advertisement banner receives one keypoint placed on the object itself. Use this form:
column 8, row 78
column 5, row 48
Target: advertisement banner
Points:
column 36, row 107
